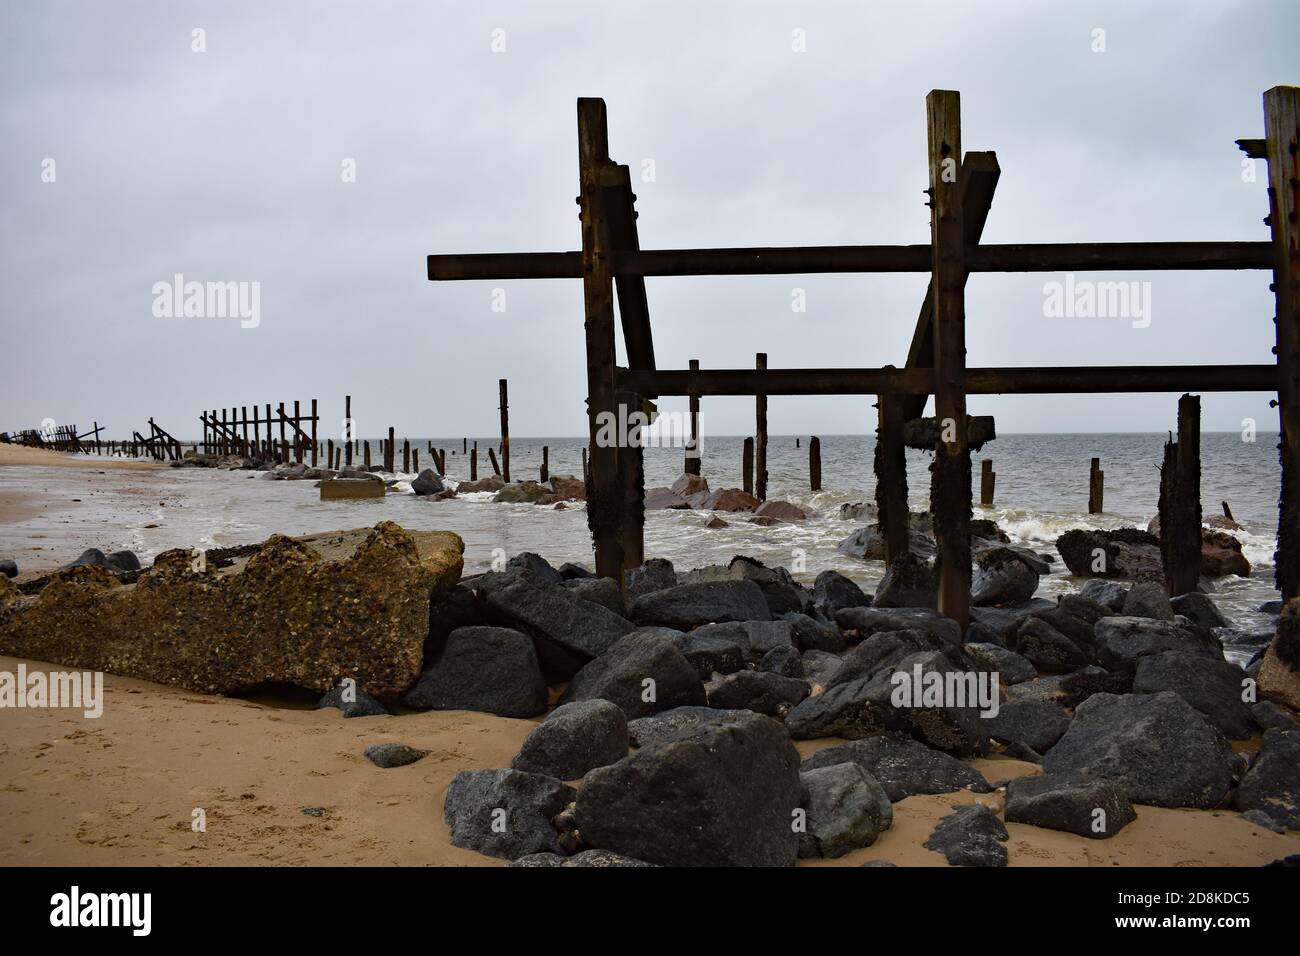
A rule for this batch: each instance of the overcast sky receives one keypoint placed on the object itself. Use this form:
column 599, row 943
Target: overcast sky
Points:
column 230, row 164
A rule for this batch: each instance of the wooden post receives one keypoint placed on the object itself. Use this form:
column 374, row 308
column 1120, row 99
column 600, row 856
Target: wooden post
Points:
column 315, row 417
column 366, row 454
column 505, row 432
column 891, row 476
column 297, row 430
column 604, row 491
column 987, row 480
column 1096, row 488
column 406, row 455
column 348, row 435
column 747, row 466
column 1180, row 502
column 329, row 453
column 464, row 446
column 390, row 459
column 950, row 489
column 1282, row 147
column 760, row 435
column 586, row 469
column 473, row 463
column 814, row 463
column 692, row 466
column 492, row 457
column 546, row 463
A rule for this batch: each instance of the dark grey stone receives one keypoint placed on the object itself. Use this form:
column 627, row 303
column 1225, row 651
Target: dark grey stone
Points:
column 903, row 767
column 361, row 704
column 1011, row 667
column 1148, row 599
column 1038, row 724
column 573, row 739
column 428, row 483
column 387, row 756
column 867, row 621
column 621, row 673
column 833, row 592
column 677, row 724
column 813, row 635
column 654, row 575
column 846, row 809
column 505, row 813
column 1272, row 784
column 1213, row 687
column 1046, row 648
column 783, row 660
column 1069, row 802
column 492, row 670
column 759, row 691
column 1109, row 594
column 687, row 606
column 970, row 836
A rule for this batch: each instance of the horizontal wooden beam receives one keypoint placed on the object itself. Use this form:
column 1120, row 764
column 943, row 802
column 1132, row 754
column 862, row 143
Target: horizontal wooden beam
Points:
column 1025, row 257
column 979, row 381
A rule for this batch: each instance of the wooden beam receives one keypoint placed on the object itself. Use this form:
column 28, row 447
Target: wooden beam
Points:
column 950, row 485
column 1282, row 136
column 1059, row 380
column 1180, row 502
column 808, row 260
column 604, row 491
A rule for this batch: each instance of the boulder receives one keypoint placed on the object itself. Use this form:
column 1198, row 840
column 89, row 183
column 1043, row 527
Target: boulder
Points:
column 1076, row 617
column 812, row 635
column 654, row 575
column 759, row 691
column 780, row 590
column 1221, row 555
column 678, row 724
column 1002, row 578
column 688, row 485
column 727, row 499
column 491, row 670
column 1046, row 648
column 534, row 566
column 448, row 610
column 846, row 809
column 865, row 621
column 574, row 739
column 1011, row 667
column 909, row 582
column 388, row 756
column 1109, row 594
column 833, row 592
column 689, row 605
column 818, row 666
column 970, row 836
column 643, row 673
column 348, row 604
column 1124, row 639
column 119, row 562
column 1148, row 599
column 1155, row 746
column 724, row 796
column 567, row 630
column 353, row 702
column 602, row 591
column 1128, row 553
column 1272, row 784
column 525, row 492
column 1279, row 669
column 997, row 625
column 780, row 511
column 664, row 499
column 493, row 483
column 710, row 653
column 1269, row 716
column 784, row 660
column 9, row 568
column 428, row 482
column 1213, row 687
column 567, row 488
column 869, row 544
column 1199, row 609
column 1090, row 807
column 505, row 813
column 903, row 767
column 1038, row 724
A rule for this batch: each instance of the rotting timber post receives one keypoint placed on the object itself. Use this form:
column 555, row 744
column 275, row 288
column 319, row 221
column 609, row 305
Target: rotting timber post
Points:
column 1180, row 502
column 950, row 489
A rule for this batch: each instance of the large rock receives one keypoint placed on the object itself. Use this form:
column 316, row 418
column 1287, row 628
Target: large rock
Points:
column 759, row 691
column 970, row 836
column 711, row 653
column 724, row 796
column 1091, row 807
column 654, row 575
column 689, row 605
column 782, row 594
column 532, row 565
column 833, row 592
column 643, row 673
column 352, row 702
column 755, row 638
column 780, row 511
column 428, row 482
column 869, row 544
column 1156, row 746
column 1272, row 784
column 1279, row 670
column 1011, row 668
column 1124, row 639
column 997, row 625
column 1213, row 687
column 574, row 739
column 869, row 705
column 492, row 670
column 1148, row 599
column 1128, row 553
column 665, row 499
column 846, row 809
column 678, row 724
column 568, row 631
column 909, row 582
column 602, row 591
column 1002, row 578
column 865, row 621
column 688, row 485
column 505, row 813
column 1038, row 724
column 1198, row 608
column 1076, row 617
column 1047, row 648
column 1108, row 593
column 305, row 612
column 1221, row 555
column 903, row 767
column 813, row 635
column 726, row 499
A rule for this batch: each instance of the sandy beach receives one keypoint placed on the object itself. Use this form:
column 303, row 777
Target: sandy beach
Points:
column 121, row 790
column 45, row 458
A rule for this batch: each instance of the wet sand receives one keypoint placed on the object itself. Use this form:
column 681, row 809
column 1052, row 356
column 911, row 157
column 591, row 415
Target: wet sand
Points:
column 45, row 458
column 122, row 789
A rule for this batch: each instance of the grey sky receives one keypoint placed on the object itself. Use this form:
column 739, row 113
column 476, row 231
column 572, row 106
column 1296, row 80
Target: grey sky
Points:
column 226, row 165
